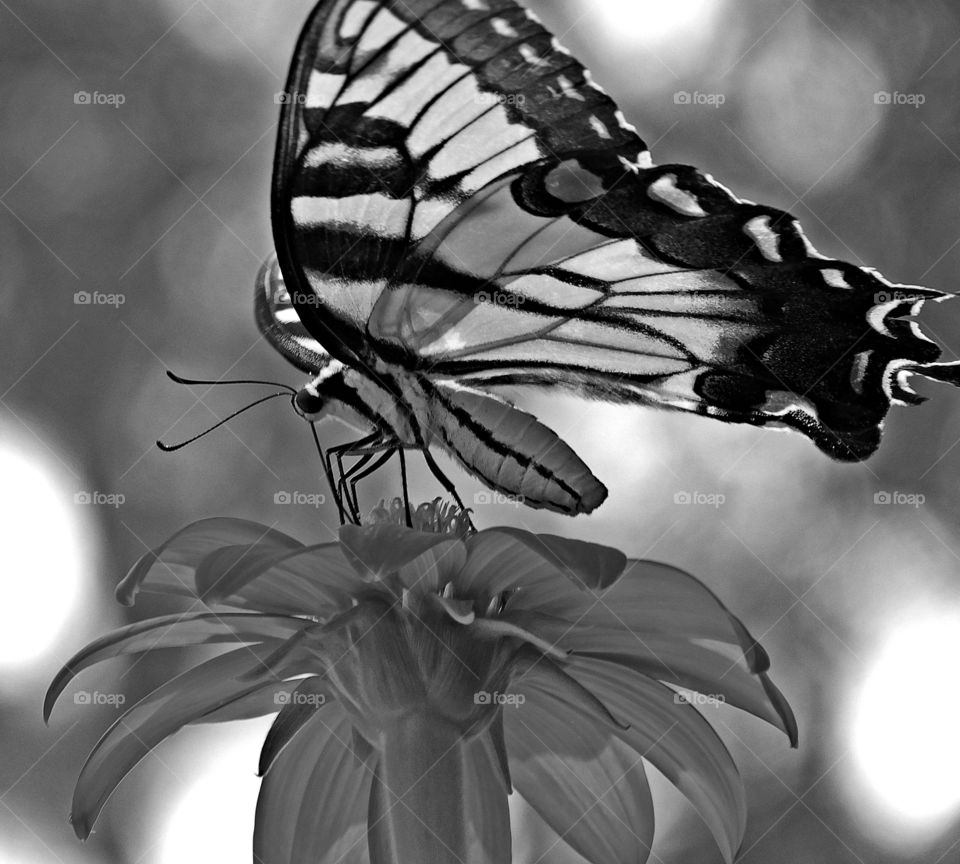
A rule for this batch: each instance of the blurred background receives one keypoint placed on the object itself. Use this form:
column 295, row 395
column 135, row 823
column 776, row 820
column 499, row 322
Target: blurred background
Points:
column 132, row 224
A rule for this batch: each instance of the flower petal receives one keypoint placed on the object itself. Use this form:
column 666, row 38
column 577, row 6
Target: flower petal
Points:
column 182, row 700
column 266, row 699
column 507, row 559
column 485, row 802
column 435, row 567
column 694, row 667
column 314, row 580
column 592, row 565
column 312, row 807
column 587, row 785
column 170, row 568
column 172, row 631
column 675, row 738
column 666, row 624
column 384, row 548
column 297, row 711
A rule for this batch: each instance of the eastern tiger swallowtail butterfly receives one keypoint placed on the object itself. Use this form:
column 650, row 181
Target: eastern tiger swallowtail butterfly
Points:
column 457, row 208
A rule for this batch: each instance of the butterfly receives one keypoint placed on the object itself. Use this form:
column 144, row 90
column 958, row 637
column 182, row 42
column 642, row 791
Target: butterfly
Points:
column 458, row 209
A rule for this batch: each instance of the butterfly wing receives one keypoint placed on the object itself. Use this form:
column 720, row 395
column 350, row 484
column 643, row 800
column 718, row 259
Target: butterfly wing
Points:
column 454, row 194
column 279, row 322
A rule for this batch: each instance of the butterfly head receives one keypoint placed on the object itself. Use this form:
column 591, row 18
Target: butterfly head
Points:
column 325, row 395
column 310, row 403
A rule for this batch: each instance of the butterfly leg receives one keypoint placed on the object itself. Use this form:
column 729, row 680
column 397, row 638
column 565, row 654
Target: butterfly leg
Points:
column 403, row 483
column 355, row 474
column 339, row 487
column 447, row 484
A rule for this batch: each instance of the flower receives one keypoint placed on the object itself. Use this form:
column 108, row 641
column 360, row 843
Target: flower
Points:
column 421, row 675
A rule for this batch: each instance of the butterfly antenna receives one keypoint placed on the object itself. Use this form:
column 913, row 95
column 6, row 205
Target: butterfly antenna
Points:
column 192, row 382
column 170, row 448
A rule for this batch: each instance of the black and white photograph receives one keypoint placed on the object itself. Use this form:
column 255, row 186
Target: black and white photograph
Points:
column 480, row 432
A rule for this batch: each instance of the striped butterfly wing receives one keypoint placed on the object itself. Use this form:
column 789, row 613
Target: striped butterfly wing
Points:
column 453, row 194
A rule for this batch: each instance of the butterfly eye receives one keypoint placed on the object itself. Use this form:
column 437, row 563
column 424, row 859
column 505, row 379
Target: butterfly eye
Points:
column 308, row 403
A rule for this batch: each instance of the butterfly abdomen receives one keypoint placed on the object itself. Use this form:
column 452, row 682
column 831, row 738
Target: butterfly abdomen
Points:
column 510, row 450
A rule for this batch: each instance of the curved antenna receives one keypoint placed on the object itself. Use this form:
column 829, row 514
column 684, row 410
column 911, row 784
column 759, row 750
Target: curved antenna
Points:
column 192, row 382
column 170, row 448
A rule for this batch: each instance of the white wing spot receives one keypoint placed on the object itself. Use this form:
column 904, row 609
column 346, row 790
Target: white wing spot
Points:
column 624, row 123
column 860, row 364
column 529, row 53
column 504, row 28
column 834, row 278
column 665, row 190
column 569, row 90
column 768, row 241
column 898, row 371
column 476, row 5
column 811, row 249
column 600, row 127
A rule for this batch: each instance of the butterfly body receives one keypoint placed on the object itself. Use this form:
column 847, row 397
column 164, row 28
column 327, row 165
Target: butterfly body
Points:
column 459, row 209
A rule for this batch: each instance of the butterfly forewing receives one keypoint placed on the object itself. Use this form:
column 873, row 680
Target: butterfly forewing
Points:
column 454, row 195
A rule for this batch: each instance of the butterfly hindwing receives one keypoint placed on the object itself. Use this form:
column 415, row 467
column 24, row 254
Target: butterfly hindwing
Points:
column 453, row 193
column 278, row 321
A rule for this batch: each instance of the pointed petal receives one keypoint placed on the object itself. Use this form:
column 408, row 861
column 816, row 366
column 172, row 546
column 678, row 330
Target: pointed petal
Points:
column 298, row 710
column 182, row 700
column 378, row 549
column 696, row 667
column 172, row 631
column 315, row 580
column 586, row 784
column 668, row 625
column 171, row 567
column 312, row 807
column 675, row 738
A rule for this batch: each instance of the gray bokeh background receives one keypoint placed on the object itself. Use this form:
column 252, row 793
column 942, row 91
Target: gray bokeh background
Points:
column 160, row 204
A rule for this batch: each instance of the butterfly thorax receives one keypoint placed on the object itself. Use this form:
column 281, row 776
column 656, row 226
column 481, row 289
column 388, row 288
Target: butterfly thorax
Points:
column 362, row 399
